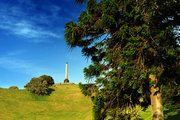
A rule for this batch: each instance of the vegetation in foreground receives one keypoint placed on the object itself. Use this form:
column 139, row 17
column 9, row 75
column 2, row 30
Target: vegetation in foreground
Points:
column 134, row 48
column 65, row 103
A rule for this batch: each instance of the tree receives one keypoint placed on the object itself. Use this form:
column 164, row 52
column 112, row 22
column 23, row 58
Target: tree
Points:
column 49, row 79
column 40, row 85
column 133, row 45
column 171, row 92
column 171, row 96
column 14, row 87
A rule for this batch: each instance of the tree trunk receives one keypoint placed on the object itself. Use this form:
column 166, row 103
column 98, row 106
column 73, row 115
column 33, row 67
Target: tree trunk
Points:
column 156, row 100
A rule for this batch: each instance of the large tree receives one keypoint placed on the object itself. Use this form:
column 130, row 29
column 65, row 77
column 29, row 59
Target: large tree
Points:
column 134, row 46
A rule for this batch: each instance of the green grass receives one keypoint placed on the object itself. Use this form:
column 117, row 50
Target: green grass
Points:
column 168, row 114
column 65, row 103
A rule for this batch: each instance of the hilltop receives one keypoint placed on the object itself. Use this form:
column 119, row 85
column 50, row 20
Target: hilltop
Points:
column 65, row 103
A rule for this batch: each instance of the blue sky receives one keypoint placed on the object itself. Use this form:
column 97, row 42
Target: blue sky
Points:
column 32, row 41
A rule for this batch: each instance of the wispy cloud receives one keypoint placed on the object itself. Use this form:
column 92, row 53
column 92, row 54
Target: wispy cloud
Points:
column 27, row 30
column 15, row 53
column 28, row 23
column 22, row 66
column 26, row 67
column 32, row 31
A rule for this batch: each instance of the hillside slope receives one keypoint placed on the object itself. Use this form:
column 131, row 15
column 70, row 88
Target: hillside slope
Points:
column 65, row 103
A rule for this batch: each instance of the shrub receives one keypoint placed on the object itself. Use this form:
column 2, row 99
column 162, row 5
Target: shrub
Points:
column 14, row 87
column 40, row 85
column 49, row 79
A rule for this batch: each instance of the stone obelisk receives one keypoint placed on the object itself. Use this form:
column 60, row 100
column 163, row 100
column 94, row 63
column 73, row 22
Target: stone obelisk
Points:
column 66, row 74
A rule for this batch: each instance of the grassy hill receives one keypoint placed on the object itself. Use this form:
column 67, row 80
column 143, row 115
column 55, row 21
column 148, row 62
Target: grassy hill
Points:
column 65, row 103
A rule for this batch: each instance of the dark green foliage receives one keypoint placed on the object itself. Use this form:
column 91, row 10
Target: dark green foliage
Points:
column 14, row 87
column 127, row 40
column 171, row 96
column 93, row 70
column 83, row 89
column 88, row 89
column 40, row 85
column 47, row 78
column 37, row 86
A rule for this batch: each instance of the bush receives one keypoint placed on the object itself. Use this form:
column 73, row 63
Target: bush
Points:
column 14, row 87
column 40, row 85
column 49, row 79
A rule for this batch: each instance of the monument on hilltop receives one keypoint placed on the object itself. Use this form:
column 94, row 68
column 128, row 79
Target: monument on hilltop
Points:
column 66, row 74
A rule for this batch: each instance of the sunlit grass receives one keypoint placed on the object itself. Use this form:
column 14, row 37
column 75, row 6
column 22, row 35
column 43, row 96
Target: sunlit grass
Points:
column 65, row 103
column 168, row 114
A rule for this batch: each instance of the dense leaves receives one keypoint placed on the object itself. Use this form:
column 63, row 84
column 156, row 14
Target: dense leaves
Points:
column 88, row 89
column 171, row 98
column 48, row 79
column 127, row 41
column 40, row 85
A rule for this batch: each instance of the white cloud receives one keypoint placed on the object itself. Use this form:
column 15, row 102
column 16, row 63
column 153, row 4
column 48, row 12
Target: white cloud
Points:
column 17, row 22
column 28, row 30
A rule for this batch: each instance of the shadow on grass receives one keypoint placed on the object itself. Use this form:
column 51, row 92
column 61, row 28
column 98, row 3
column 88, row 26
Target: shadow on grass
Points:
column 172, row 114
column 50, row 90
column 41, row 97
